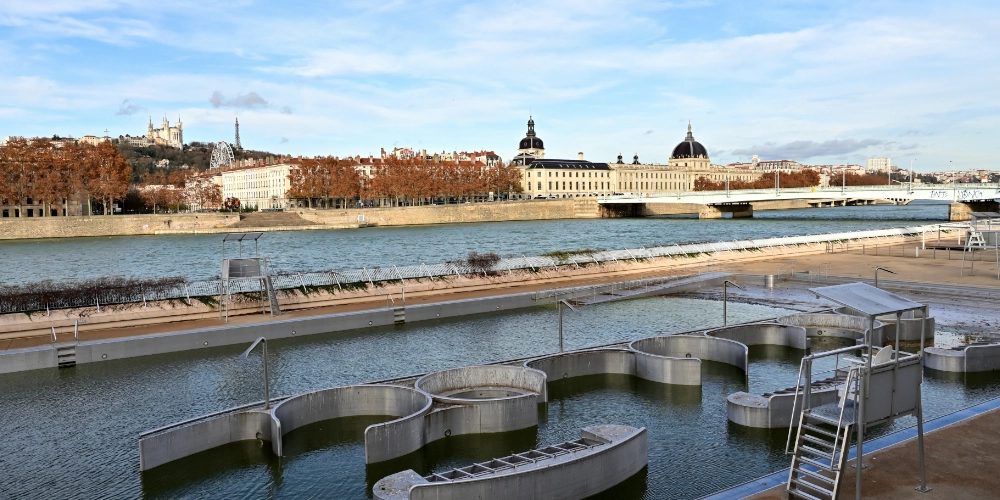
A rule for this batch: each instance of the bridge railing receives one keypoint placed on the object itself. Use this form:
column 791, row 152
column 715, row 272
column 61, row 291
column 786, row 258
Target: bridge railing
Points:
column 825, row 189
column 377, row 277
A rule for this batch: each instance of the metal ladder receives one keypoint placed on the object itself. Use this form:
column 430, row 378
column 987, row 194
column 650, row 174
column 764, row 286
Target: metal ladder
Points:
column 820, row 455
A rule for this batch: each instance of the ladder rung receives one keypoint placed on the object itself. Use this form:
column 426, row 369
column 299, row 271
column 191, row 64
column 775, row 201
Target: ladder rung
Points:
column 813, row 439
column 812, row 486
column 819, row 430
column 817, row 464
column 802, row 494
column 825, row 420
column 818, row 453
column 815, row 475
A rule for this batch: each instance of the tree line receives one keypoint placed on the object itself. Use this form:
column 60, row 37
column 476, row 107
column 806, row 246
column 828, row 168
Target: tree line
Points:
column 49, row 175
column 337, row 182
column 803, row 178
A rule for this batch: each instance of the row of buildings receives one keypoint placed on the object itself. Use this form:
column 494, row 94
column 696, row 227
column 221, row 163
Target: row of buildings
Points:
column 555, row 178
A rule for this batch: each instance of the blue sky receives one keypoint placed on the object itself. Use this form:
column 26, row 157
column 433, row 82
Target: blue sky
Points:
column 817, row 82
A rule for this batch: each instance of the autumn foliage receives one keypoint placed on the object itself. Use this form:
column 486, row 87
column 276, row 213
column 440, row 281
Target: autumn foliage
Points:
column 397, row 182
column 37, row 170
column 804, row 178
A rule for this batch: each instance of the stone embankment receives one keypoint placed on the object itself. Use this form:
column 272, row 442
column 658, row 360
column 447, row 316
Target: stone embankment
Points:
column 298, row 219
column 113, row 225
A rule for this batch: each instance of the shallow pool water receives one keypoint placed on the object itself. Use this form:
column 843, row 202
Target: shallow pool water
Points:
column 73, row 433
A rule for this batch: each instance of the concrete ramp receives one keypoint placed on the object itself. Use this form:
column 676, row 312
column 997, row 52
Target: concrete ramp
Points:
column 632, row 290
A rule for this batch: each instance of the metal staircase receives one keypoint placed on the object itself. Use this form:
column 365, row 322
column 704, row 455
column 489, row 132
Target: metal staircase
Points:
column 272, row 298
column 820, row 453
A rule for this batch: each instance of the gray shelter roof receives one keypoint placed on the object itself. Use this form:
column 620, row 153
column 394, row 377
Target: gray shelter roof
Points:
column 241, row 236
column 866, row 299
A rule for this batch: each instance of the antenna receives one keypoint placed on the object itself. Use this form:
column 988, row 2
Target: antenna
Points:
column 238, row 146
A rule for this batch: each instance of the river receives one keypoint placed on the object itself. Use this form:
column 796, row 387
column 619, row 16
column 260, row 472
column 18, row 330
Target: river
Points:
column 197, row 257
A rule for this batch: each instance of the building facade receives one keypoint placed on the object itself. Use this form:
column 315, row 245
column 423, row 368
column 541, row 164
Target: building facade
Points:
column 262, row 187
column 878, row 164
column 551, row 178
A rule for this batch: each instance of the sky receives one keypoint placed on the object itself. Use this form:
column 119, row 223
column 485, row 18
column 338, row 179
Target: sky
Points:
column 816, row 82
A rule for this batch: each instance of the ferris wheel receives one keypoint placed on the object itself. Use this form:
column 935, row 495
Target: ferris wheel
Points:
column 222, row 155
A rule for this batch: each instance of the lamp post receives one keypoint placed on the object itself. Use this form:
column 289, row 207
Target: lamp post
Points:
column 267, row 388
column 725, row 299
column 880, row 268
column 911, row 174
column 559, row 305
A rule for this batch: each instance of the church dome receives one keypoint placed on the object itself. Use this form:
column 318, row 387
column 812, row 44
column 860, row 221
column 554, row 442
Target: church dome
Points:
column 531, row 141
column 690, row 148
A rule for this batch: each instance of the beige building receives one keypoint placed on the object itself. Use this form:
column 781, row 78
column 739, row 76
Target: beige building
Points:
column 93, row 140
column 262, row 187
column 166, row 135
column 553, row 178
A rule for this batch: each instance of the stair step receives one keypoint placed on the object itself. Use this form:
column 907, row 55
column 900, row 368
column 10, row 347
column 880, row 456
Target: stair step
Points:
column 821, row 442
column 815, row 463
column 825, row 419
column 815, row 475
column 812, row 486
column 818, row 453
column 802, row 494
column 819, row 430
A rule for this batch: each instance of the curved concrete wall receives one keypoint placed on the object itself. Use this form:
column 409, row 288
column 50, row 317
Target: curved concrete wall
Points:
column 441, row 385
column 606, row 456
column 179, row 442
column 834, row 325
column 382, row 441
column 581, row 363
column 676, row 359
column 972, row 358
column 764, row 334
column 774, row 411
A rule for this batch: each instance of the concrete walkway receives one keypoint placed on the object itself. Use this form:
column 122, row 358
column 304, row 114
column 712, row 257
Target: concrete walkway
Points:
column 961, row 463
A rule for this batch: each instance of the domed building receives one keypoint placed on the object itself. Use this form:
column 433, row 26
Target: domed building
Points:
column 690, row 153
column 531, row 147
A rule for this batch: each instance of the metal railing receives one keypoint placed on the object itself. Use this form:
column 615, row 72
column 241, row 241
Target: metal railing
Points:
column 377, row 277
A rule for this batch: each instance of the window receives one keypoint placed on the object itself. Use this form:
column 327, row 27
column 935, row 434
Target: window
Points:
column 6, row 213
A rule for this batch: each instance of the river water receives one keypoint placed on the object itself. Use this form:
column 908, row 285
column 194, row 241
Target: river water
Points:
column 197, row 257
column 73, row 433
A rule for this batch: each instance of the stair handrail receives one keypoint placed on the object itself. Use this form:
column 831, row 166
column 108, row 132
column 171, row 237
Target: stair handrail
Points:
column 805, row 366
column 853, row 374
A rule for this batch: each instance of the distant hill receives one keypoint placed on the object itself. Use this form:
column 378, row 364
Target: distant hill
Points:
column 196, row 155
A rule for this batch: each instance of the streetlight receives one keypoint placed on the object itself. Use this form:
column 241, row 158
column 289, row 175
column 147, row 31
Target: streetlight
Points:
column 911, row 173
column 725, row 299
column 880, row 268
column 559, row 305
column 267, row 389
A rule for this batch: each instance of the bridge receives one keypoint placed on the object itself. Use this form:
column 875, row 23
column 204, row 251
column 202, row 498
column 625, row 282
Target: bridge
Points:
column 964, row 198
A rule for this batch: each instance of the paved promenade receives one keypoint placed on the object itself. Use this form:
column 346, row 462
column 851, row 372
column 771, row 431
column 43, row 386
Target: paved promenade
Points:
column 961, row 461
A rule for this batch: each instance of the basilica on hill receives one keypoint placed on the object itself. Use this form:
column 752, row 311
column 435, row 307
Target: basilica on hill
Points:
column 553, row 178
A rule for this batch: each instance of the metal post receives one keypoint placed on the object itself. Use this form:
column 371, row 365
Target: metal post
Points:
column 267, row 388
column 725, row 299
column 920, row 407
column 880, row 268
column 559, row 306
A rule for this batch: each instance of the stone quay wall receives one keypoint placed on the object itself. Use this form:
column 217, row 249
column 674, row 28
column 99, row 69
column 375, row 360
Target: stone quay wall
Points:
column 564, row 208
column 111, row 225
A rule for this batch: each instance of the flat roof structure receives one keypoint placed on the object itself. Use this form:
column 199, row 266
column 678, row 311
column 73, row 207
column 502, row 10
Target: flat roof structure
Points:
column 866, row 299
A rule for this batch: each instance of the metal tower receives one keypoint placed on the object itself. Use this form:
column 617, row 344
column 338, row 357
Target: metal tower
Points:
column 238, row 146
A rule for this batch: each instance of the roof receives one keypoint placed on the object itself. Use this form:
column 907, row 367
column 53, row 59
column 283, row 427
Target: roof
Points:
column 568, row 164
column 866, row 299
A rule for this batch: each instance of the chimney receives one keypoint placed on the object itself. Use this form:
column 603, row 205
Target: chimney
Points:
column 579, row 156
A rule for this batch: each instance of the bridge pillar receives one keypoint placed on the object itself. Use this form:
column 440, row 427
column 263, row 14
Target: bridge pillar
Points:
column 709, row 212
column 716, row 211
column 962, row 210
column 619, row 210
